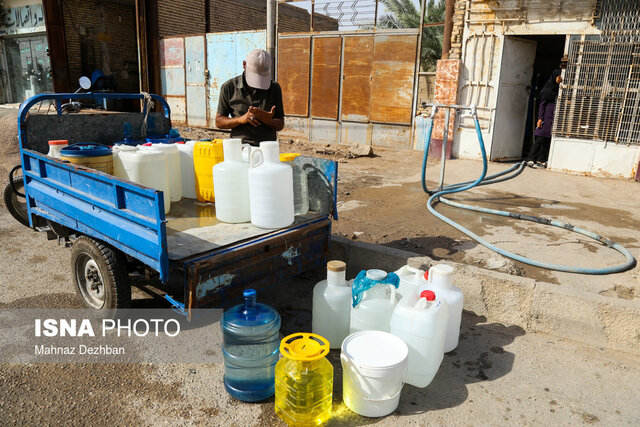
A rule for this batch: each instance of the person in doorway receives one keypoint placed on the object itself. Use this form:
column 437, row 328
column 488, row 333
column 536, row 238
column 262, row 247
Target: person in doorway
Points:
column 251, row 103
column 539, row 152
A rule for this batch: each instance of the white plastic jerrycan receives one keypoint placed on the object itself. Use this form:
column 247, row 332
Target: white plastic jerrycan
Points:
column 421, row 321
column 373, row 303
column 332, row 305
column 174, row 168
column 231, row 184
column 411, row 279
column 149, row 168
column 441, row 282
column 187, row 169
column 118, row 167
column 270, row 188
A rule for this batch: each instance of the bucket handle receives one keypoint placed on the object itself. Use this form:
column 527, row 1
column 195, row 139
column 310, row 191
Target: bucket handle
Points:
column 347, row 363
column 251, row 158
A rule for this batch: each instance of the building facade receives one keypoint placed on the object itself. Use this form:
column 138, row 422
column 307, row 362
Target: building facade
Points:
column 24, row 60
column 502, row 52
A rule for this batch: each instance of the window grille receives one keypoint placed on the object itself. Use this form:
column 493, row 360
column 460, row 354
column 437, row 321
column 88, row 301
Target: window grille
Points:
column 600, row 97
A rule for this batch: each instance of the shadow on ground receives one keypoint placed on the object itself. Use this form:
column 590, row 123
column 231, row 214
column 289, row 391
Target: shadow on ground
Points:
column 480, row 357
column 436, row 247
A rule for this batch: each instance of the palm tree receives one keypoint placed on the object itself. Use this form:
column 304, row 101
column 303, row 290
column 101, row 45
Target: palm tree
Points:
column 405, row 14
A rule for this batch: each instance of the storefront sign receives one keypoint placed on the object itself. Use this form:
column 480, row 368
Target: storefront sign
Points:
column 22, row 20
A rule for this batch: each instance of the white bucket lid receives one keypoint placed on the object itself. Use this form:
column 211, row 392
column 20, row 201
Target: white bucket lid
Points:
column 375, row 349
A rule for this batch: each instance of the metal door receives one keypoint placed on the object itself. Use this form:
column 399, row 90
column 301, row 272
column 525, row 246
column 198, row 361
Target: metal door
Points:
column 221, row 63
column 225, row 53
column 294, row 58
column 172, row 76
column 356, row 77
column 394, row 58
column 325, row 86
column 195, row 81
column 514, row 84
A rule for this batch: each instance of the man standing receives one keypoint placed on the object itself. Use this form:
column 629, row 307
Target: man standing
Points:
column 251, row 104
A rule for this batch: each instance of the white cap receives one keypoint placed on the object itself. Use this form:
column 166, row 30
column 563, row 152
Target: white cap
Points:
column 258, row 70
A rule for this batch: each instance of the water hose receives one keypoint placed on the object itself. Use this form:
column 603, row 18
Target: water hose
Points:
column 512, row 172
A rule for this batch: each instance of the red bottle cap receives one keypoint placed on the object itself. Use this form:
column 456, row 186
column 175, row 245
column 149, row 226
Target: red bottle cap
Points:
column 429, row 295
column 58, row 142
column 426, row 275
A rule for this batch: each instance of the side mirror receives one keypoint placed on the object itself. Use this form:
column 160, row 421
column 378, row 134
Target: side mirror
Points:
column 85, row 82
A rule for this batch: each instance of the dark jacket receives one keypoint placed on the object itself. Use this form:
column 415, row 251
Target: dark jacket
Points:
column 545, row 113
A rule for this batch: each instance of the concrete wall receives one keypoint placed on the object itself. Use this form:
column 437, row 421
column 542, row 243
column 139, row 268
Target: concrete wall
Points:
column 594, row 158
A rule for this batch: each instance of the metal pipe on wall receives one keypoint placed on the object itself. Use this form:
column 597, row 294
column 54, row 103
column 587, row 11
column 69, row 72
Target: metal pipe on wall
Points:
column 271, row 34
column 416, row 71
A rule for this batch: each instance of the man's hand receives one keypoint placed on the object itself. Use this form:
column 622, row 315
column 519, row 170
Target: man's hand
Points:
column 539, row 124
column 262, row 115
column 266, row 117
column 250, row 117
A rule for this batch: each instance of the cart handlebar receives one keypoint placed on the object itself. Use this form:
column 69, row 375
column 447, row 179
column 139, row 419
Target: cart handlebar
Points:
column 58, row 97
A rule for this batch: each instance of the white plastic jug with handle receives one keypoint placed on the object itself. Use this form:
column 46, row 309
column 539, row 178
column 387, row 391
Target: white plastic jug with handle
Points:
column 441, row 282
column 332, row 305
column 410, row 280
column 374, row 311
column 246, row 152
column 270, row 188
column 422, row 323
column 149, row 168
column 231, row 189
column 187, row 169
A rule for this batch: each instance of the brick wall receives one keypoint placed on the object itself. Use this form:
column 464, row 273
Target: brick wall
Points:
column 238, row 15
column 182, row 17
column 82, row 25
column 458, row 26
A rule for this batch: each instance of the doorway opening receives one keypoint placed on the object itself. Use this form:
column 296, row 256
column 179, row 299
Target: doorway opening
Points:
column 549, row 52
column 27, row 66
column 526, row 64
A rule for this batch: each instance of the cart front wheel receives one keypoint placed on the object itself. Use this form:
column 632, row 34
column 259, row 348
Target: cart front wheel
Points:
column 100, row 275
column 15, row 203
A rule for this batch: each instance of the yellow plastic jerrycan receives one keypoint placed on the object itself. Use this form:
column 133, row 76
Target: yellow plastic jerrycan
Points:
column 304, row 380
column 206, row 154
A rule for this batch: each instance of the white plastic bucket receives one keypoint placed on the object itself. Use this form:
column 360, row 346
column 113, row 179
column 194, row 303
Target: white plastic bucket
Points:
column 374, row 364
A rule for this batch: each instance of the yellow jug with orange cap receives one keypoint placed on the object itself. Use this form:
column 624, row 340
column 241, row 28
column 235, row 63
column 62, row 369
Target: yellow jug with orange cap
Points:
column 304, row 380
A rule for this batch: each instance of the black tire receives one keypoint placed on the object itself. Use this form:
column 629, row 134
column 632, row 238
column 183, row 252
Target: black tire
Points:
column 100, row 275
column 16, row 205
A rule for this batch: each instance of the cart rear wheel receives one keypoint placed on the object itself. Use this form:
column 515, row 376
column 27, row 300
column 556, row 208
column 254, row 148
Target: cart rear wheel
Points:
column 16, row 205
column 100, row 275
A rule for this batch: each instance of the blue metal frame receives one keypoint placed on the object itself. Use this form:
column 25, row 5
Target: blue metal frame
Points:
column 127, row 216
